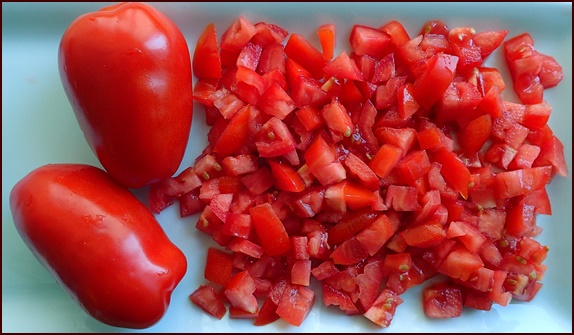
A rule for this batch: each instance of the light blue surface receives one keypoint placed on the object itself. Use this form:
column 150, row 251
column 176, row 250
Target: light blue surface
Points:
column 38, row 127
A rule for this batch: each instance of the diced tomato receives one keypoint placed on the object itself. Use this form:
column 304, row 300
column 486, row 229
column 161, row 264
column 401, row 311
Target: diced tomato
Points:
column 369, row 41
column 407, row 106
column 435, row 27
column 295, row 304
column 304, row 53
column 226, row 102
column 301, row 272
column 218, row 267
column 531, row 70
column 551, row 73
column 249, row 56
column 439, row 73
column 272, row 59
column 461, row 263
column 350, row 225
column 337, row 119
column 552, row 153
column 413, row 166
column 275, row 101
column 373, row 170
column 343, row 67
column 270, row 230
column 386, row 158
column 373, row 237
column 458, row 103
column 442, row 300
column 467, row 234
column 386, row 94
column 383, row 309
column 307, row 91
column 453, row 171
column 424, row 235
column 326, row 33
column 206, row 57
column 266, row 314
column 349, row 252
column 268, row 33
column 164, row 193
column 239, row 291
column 402, row 198
column 236, row 313
column 206, row 298
column 332, row 296
column 522, row 182
column 238, row 34
column 286, row 178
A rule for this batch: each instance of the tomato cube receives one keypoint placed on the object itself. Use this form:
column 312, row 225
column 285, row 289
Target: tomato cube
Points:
column 206, row 298
column 295, row 304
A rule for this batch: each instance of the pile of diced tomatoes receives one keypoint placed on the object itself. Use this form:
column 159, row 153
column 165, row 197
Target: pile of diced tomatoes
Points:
column 369, row 171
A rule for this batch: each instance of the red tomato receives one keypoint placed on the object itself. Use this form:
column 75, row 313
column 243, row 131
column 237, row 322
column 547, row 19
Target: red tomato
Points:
column 99, row 241
column 138, row 69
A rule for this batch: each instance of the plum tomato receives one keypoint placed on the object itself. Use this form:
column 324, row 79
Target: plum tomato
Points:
column 101, row 244
column 126, row 70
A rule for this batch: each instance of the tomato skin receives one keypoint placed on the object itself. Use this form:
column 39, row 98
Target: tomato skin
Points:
column 99, row 54
column 103, row 246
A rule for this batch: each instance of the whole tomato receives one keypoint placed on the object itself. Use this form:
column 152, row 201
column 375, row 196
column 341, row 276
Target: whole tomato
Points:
column 99, row 242
column 126, row 71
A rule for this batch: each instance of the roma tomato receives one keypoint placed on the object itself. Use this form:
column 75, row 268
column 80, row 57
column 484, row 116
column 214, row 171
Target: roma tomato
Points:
column 102, row 245
column 126, row 70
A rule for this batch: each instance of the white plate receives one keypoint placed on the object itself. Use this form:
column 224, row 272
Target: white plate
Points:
column 38, row 127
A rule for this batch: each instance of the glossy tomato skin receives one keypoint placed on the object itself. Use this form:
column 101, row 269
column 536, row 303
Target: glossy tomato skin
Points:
column 101, row 244
column 126, row 70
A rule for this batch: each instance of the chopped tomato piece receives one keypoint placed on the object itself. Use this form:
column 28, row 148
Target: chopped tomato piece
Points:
column 442, row 300
column 286, row 178
column 369, row 41
column 206, row 298
column 270, row 230
column 326, row 34
column 433, row 82
column 453, row 170
column 239, row 291
column 238, row 34
column 266, row 314
column 383, row 309
column 206, row 57
column 304, row 53
column 295, row 304
column 343, row 67
column 386, row 158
